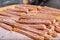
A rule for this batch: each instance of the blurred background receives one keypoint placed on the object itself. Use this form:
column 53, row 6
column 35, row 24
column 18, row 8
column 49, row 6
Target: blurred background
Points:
column 50, row 3
column 9, row 2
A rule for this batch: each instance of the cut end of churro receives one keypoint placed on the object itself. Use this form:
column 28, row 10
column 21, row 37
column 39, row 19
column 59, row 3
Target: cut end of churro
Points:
column 16, row 29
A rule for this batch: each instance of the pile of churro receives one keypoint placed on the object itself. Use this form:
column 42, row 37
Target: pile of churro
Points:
column 35, row 22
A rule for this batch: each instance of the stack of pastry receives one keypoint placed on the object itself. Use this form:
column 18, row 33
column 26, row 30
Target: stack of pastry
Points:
column 36, row 22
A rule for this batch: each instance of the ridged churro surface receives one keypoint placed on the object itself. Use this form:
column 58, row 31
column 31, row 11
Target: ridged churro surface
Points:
column 35, row 22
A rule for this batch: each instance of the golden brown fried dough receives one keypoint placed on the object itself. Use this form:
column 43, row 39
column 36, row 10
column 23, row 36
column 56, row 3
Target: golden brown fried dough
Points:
column 29, row 34
column 5, row 26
